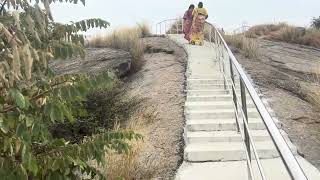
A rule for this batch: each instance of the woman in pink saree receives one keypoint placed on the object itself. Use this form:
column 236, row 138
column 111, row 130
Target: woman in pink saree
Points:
column 187, row 22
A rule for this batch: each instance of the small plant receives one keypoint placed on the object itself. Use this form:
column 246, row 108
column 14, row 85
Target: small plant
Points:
column 316, row 22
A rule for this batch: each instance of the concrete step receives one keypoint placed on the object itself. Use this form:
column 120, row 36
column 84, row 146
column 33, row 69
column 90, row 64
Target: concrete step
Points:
column 206, row 92
column 209, row 81
column 227, row 151
column 221, row 124
column 206, row 86
column 223, row 97
column 212, row 105
column 223, row 136
column 237, row 170
column 217, row 114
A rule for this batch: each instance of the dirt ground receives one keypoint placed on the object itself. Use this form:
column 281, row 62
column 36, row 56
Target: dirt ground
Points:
column 161, row 83
column 288, row 75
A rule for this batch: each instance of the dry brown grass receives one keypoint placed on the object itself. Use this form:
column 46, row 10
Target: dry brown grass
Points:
column 125, row 166
column 128, row 39
column 249, row 46
column 264, row 29
column 122, row 166
column 286, row 33
column 144, row 29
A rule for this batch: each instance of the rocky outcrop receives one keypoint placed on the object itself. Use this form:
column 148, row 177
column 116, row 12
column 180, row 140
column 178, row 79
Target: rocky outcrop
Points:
column 96, row 60
column 289, row 76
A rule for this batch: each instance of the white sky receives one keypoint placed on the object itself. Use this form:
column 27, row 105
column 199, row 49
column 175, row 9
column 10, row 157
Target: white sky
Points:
column 229, row 14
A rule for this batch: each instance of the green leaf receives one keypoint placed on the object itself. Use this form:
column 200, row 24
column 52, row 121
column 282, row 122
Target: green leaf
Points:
column 20, row 129
column 29, row 121
column 56, row 113
column 18, row 98
column 33, row 166
column 68, row 114
column 4, row 125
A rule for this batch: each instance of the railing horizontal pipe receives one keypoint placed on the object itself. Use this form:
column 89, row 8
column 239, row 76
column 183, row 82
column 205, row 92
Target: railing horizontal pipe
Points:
column 289, row 159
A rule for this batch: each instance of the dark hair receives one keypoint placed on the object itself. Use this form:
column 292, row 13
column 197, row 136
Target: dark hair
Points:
column 200, row 5
column 191, row 6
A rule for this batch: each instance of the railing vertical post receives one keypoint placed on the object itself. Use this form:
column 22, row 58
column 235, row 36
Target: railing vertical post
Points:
column 210, row 34
column 223, row 69
column 178, row 27
column 182, row 25
column 234, row 95
column 215, row 36
column 165, row 27
column 244, row 109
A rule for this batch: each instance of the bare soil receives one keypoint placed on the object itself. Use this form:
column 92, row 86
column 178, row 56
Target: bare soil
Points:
column 161, row 83
column 288, row 75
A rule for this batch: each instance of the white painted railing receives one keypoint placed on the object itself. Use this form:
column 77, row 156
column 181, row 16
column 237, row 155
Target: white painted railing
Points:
column 240, row 102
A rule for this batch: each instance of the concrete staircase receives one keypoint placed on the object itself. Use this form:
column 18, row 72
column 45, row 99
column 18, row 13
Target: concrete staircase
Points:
column 213, row 146
column 211, row 130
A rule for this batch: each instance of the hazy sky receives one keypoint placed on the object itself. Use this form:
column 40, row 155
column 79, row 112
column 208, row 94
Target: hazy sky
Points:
column 228, row 14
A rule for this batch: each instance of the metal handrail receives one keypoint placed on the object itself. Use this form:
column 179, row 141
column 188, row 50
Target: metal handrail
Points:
column 289, row 160
column 287, row 156
column 246, row 130
column 165, row 22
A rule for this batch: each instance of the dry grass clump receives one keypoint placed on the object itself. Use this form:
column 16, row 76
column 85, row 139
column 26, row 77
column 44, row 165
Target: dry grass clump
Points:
column 311, row 38
column 144, row 29
column 264, row 29
column 126, row 165
column 128, row 39
column 248, row 45
column 122, row 166
column 286, row 33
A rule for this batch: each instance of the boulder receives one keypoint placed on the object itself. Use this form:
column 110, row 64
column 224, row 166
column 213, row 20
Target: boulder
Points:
column 96, row 60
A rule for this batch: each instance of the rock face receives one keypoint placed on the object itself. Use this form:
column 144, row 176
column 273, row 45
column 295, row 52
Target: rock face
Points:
column 289, row 76
column 96, row 60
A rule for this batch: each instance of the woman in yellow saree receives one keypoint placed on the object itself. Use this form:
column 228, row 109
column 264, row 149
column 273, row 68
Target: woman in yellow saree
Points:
column 200, row 15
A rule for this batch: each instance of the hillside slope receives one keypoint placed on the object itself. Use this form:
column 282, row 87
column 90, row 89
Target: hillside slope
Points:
column 288, row 75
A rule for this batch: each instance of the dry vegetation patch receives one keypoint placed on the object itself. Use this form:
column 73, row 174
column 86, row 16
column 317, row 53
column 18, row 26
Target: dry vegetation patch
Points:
column 286, row 33
column 249, row 46
column 128, row 39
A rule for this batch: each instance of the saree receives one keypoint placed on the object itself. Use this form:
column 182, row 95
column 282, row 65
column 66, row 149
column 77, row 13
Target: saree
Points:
column 199, row 18
column 187, row 23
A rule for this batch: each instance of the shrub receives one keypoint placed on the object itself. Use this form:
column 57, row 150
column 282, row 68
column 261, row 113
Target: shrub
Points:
column 316, row 22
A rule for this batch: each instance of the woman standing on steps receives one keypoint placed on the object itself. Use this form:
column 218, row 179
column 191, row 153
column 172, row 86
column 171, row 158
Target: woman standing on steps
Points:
column 199, row 15
column 187, row 22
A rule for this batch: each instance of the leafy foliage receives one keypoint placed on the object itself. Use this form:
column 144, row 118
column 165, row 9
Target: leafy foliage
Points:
column 33, row 98
column 316, row 22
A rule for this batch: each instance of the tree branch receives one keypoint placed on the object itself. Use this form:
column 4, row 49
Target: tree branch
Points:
column 35, row 97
